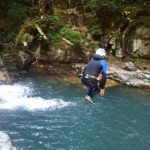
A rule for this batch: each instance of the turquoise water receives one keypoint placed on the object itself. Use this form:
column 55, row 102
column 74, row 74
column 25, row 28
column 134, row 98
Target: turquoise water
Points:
column 41, row 114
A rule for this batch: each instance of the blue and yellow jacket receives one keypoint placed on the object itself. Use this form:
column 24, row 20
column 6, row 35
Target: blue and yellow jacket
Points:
column 96, row 66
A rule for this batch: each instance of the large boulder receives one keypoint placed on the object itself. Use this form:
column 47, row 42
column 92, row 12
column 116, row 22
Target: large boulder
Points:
column 130, row 66
column 5, row 142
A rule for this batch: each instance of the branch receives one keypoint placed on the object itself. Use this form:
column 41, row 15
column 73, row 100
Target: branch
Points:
column 67, row 41
column 41, row 32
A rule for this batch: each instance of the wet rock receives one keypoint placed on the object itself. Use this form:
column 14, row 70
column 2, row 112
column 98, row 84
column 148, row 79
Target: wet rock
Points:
column 5, row 142
column 130, row 66
column 4, row 76
column 131, row 78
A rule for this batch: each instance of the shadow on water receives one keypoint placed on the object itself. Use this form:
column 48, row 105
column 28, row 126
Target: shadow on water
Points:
column 41, row 113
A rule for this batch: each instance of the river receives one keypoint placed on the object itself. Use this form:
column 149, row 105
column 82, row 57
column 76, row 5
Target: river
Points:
column 42, row 113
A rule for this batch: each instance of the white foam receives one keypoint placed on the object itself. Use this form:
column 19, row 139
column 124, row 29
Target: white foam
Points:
column 18, row 96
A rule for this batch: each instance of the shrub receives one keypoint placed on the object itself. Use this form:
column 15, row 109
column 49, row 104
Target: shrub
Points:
column 71, row 35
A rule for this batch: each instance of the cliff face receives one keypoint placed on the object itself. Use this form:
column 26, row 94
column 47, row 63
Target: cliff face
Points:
column 65, row 31
column 137, row 38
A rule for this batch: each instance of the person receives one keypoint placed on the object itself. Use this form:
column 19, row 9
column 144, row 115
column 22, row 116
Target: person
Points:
column 94, row 74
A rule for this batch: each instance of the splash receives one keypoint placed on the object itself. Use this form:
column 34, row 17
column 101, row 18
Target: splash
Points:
column 18, row 97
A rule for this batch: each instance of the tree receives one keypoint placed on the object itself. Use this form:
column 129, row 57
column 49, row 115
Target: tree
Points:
column 45, row 7
column 110, row 14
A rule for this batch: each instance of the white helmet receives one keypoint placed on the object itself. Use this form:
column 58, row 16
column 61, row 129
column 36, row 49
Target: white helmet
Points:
column 101, row 52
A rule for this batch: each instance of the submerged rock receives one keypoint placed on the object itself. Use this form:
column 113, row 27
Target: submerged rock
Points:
column 5, row 142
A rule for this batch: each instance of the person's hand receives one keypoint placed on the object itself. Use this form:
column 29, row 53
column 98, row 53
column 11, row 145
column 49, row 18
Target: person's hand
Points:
column 99, row 77
column 102, row 92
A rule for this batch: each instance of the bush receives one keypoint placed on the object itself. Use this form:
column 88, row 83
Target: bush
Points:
column 18, row 12
column 10, row 37
column 71, row 35
column 54, row 37
column 15, row 13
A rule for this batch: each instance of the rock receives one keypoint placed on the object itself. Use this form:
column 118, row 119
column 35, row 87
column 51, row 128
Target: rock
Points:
column 5, row 142
column 78, row 65
column 119, row 53
column 138, row 45
column 135, row 82
column 112, row 41
column 26, row 60
column 89, row 37
column 4, row 76
column 111, row 83
column 136, row 78
column 130, row 66
column 65, row 54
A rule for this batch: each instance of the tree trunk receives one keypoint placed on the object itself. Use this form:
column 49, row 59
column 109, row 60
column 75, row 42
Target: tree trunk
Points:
column 45, row 7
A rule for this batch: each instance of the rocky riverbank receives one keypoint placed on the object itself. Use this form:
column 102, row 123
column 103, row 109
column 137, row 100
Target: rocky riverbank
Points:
column 129, row 74
column 119, row 72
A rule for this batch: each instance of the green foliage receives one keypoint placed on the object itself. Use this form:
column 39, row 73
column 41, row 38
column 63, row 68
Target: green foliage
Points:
column 96, row 30
column 55, row 30
column 11, row 36
column 68, row 33
column 8, row 36
column 17, row 11
column 131, row 10
column 101, row 15
column 71, row 35
column 14, row 12
column 110, row 14
column 55, row 16
column 54, row 27
column 54, row 37
column 103, row 12
column 54, row 21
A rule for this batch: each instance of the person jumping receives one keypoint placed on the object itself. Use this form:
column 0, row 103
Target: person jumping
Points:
column 94, row 74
